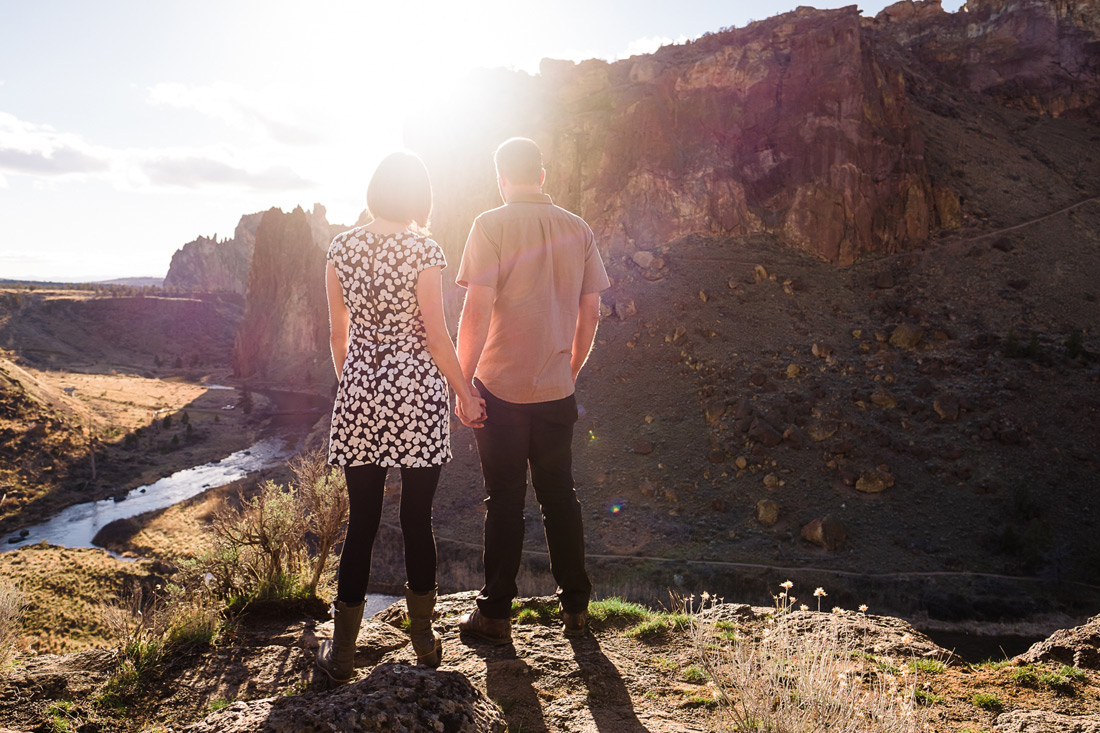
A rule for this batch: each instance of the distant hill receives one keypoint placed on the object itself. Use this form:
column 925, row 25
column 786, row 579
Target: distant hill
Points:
column 136, row 282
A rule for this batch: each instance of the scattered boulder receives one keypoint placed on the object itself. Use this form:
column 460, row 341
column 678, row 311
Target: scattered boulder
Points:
column 759, row 274
column 392, row 697
column 767, row 512
column 822, row 430
column 821, row 351
column 761, row 431
column 625, row 309
column 906, row 336
column 884, row 399
column 715, row 411
column 643, row 259
column 793, row 370
column 874, row 482
column 772, row 481
column 947, row 407
column 642, row 447
column 1079, row 647
column 825, row 532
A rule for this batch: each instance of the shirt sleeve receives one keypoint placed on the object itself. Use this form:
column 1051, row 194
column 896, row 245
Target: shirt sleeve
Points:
column 431, row 255
column 480, row 263
column 595, row 276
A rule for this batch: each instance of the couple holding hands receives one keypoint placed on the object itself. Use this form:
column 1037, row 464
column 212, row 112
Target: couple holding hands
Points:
column 533, row 276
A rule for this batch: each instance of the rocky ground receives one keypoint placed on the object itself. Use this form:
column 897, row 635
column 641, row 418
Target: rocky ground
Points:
column 613, row 680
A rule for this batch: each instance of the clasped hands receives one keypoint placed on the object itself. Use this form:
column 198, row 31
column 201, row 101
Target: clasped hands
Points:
column 470, row 407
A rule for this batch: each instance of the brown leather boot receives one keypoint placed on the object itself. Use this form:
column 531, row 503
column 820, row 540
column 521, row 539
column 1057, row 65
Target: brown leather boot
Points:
column 337, row 657
column 575, row 624
column 493, row 630
column 426, row 643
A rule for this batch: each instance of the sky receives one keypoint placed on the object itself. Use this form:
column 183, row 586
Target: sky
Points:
column 128, row 128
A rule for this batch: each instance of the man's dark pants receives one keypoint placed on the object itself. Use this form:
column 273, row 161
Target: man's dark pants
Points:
column 539, row 434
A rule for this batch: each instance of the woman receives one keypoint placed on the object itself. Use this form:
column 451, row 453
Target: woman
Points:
column 392, row 351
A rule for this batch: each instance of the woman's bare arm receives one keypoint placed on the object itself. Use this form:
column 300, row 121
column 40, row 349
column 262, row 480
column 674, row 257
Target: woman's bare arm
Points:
column 338, row 320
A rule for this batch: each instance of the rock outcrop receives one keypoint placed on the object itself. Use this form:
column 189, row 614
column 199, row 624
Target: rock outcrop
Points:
column 392, row 697
column 283, row 336
column 1035, row 54
column 207, row 265
column 1078, row 647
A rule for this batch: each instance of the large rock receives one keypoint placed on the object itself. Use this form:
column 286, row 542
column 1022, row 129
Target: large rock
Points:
column 392, row 697
column 825, row 532
column 284, row 334
column 1079, row 647
column 794, row 125
column 1045, row 721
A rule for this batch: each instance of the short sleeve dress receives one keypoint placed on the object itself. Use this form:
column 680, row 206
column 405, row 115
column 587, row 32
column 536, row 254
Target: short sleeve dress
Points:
column 391, row 406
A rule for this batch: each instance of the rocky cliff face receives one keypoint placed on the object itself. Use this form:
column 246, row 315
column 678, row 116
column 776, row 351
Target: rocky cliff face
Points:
column 283, row 336
column 801, row 125
column 208, row 265
column 793, row 125
column 1040, row 55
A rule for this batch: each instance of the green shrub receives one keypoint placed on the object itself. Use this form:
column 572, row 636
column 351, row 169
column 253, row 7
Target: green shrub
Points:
column 618, row 611
column 928, row 666
column 987, row 701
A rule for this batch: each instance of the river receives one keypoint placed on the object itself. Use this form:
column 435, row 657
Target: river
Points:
column 76, row 525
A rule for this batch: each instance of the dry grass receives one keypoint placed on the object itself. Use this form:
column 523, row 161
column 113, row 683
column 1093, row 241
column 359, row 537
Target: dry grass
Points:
column 786, row 682
column 11, row 618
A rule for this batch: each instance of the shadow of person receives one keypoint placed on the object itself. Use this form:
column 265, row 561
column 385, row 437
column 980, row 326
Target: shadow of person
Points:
column 508, row 684
column 609, row 702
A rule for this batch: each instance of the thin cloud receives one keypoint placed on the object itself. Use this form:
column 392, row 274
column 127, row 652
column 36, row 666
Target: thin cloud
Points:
column 241, row 108
column 47, row 156
column 199, row 172
column 40, row 150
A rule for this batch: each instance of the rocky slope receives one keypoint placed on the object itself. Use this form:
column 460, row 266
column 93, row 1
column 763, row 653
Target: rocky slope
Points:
column 207, row 265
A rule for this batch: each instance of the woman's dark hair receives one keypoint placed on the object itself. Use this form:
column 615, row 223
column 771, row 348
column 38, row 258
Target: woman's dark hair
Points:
column 519, row 160
column 400, row 190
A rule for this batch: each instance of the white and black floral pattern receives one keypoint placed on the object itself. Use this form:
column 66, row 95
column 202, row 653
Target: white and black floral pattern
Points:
column 391, row 407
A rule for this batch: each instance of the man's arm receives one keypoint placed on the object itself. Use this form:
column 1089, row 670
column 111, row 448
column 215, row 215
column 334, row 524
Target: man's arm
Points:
column 588, row 317
column 473, row 329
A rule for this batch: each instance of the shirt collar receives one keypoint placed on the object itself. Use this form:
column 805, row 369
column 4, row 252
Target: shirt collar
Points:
column 530, row 198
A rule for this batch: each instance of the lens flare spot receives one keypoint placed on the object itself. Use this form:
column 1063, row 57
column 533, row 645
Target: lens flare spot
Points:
column 591, row 435
column 616, row 508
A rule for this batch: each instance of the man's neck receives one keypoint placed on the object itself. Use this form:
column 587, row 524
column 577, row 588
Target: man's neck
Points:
column 526, row 190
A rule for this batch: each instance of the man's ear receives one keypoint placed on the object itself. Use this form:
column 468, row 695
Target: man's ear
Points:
column 542, row 178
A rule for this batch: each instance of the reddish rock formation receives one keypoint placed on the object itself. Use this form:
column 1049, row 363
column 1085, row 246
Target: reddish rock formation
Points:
column 793, row 125
column 1041, row 55
column 284, row 334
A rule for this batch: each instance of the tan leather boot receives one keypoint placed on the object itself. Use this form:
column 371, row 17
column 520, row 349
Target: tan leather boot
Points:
column 337, row 657
column 426, row 643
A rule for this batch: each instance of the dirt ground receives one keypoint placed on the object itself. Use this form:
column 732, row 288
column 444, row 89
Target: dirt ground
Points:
column 612, row 681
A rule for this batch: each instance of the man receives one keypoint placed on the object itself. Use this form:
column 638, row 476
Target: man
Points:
column 533, row 278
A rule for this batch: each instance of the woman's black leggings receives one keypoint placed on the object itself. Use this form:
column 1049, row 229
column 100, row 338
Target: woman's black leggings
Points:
column 366, row 488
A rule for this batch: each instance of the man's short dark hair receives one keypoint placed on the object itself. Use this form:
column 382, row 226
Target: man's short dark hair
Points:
column 519, row 160
column 400, row 190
